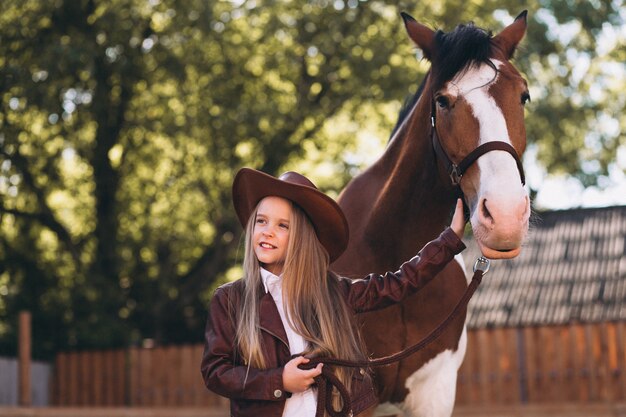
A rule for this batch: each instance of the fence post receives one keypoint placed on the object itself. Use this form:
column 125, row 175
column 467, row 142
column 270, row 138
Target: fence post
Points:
column 24, row 358
column 523, row 369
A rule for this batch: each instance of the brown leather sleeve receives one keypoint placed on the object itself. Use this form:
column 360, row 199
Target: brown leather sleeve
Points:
column 378, row 291
column 220, row 371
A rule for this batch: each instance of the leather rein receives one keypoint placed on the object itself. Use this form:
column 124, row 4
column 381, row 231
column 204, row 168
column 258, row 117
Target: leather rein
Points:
column 327, row 380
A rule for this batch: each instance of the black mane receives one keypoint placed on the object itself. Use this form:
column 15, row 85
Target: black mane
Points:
column 465, row 47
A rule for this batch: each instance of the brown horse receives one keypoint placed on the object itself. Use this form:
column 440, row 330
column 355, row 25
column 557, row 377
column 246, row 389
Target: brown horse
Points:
column 472, row 95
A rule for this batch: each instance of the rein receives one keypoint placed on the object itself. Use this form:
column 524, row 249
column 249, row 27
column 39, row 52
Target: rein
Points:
column 326, row 381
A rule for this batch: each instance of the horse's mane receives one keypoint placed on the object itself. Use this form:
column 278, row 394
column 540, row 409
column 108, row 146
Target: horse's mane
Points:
column 463, row 48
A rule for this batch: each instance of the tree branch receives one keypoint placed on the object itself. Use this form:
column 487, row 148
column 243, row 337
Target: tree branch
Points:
column 213, row 260
column 46, row 216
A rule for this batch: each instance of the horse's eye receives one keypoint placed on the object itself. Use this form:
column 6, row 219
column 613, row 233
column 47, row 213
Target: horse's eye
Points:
column 442, row 102
column 525, row 97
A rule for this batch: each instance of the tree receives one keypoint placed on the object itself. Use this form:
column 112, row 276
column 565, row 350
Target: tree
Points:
column 122, row 125
column 123, row 122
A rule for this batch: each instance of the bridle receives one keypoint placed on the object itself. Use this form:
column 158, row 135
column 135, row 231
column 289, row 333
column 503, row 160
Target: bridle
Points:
column 456, row 171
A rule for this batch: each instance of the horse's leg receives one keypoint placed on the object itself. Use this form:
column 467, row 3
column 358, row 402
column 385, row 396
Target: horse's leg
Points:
column 432, row 388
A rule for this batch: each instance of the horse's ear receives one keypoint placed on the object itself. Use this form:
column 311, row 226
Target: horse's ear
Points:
column 510, row 37
column 420, row 34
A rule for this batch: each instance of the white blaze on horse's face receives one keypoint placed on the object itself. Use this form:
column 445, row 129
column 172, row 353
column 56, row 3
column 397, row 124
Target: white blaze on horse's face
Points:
column 499, row 204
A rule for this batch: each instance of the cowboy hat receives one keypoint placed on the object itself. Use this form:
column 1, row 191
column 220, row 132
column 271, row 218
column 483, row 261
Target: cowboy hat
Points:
column 251, row 186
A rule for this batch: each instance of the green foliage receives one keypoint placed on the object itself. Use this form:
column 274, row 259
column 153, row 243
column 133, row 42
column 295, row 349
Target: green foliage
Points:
column 122, row 124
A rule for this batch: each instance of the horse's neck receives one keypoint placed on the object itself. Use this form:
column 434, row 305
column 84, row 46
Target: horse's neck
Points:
column 408, row 203
column 413, row 192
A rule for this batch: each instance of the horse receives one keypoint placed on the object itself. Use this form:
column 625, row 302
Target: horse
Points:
column 471, row 97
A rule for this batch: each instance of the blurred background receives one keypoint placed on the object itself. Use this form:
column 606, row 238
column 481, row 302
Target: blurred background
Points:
column 122, row 123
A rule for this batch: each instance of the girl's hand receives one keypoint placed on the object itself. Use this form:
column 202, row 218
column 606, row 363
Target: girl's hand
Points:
column 296, row 379
column 458, row 219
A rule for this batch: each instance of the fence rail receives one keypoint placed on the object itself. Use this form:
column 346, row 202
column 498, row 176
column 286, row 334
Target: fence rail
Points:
column 114, row 412
column 580, row 363
column 543, row 410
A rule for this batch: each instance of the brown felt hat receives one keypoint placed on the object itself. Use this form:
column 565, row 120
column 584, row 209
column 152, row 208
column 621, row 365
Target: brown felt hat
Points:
column 251, row 186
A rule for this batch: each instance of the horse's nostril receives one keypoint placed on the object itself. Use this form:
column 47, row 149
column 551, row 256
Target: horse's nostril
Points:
column 485, row 210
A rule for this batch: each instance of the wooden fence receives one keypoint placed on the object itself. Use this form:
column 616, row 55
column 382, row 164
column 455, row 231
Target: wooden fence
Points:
column 578, row 363
column 581, row 363
column 162, row 376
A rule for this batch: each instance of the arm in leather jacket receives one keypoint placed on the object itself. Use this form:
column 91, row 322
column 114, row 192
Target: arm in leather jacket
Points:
column 378, row 291
column 220, row 370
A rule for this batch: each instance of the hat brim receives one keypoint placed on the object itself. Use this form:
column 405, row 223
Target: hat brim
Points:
column 251, row 186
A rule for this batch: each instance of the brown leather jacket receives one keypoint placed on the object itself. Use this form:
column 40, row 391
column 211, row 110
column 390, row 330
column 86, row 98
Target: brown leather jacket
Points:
column 223, row 369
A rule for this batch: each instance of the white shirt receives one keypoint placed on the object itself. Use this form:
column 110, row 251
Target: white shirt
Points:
column 301, row 404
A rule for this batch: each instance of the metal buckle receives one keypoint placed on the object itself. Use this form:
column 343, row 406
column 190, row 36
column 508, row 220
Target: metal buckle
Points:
column 455, row 177
column 482, row 264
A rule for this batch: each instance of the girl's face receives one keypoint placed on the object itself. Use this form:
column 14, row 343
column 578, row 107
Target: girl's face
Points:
column 271, row 233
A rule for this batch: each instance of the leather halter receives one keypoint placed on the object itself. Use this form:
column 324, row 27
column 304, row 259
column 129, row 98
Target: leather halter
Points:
column 456, row 171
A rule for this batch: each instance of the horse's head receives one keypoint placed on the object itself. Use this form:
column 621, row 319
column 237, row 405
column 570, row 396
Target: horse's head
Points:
column 477, row 96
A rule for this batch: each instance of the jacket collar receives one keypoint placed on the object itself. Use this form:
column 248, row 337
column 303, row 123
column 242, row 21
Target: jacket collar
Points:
column 269, row 319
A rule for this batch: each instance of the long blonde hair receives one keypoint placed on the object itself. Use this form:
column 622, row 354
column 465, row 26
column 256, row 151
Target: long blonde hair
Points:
column 312, row 298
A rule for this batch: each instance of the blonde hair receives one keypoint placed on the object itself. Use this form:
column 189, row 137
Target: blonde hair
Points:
column 312, row 298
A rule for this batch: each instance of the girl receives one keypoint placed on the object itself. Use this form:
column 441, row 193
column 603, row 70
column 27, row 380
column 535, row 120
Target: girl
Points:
column 289, row 306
